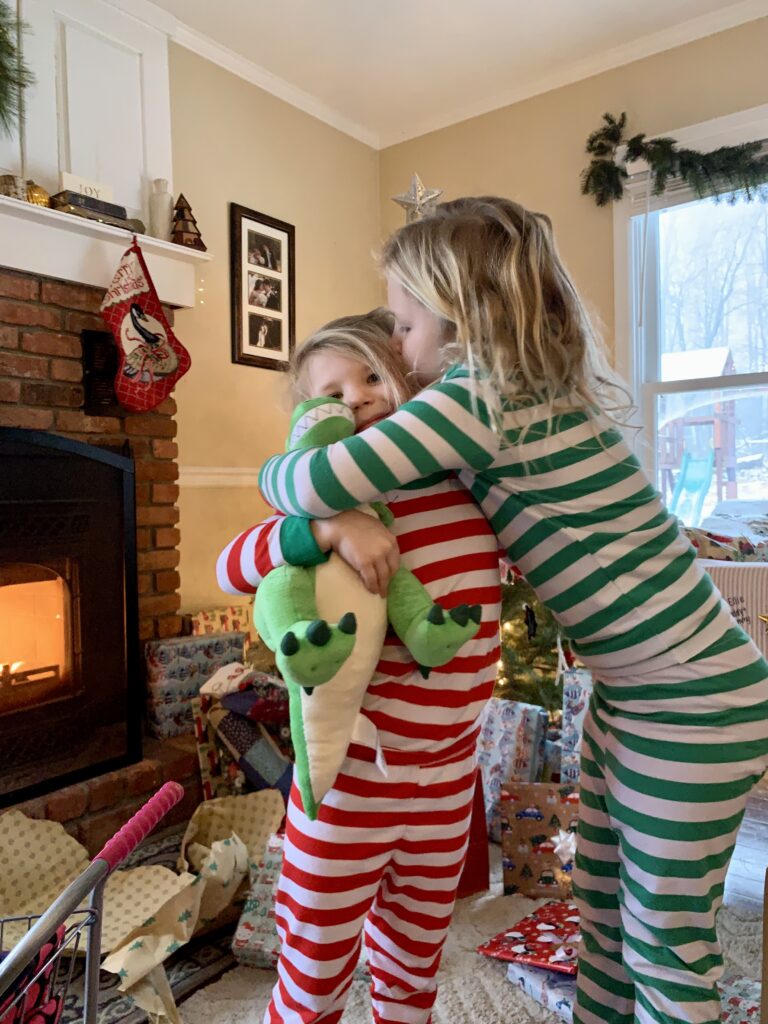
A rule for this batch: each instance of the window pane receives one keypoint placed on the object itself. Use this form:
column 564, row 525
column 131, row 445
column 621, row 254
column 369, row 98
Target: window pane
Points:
column 713, row 289
column 712, row 446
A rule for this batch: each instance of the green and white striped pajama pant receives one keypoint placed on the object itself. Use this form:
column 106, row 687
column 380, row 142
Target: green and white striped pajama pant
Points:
column 669, row 757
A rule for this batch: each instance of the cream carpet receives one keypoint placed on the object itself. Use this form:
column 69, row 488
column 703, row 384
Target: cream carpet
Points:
column 472, row 989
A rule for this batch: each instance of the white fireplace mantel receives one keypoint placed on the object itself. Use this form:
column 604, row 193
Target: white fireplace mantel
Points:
column 71, row 248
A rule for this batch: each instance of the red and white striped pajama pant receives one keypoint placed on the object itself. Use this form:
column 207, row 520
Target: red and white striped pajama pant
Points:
column 384, row 859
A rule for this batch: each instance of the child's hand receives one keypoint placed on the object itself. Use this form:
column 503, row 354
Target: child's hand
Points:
column 364, row 544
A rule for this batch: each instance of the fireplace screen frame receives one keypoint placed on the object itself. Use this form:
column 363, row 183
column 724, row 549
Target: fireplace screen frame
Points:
column 124, row 594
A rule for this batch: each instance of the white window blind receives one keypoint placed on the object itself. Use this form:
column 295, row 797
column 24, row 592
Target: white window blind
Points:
column 640, row 184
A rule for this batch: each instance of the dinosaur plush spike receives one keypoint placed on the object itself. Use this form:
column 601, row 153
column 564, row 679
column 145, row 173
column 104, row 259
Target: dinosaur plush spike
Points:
column 326, row 653
column 289, row 644
column 460, row 614
column 348, row 623
column 435, row 615
column 318, row 633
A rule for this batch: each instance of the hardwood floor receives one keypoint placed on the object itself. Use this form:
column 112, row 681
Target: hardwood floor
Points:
column 746, row 873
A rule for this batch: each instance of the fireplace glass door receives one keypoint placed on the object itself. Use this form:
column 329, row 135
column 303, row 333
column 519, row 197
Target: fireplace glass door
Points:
column 70, row 691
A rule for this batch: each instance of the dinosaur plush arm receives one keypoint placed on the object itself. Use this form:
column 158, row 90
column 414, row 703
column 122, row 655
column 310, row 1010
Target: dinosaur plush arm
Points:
column 383, row 513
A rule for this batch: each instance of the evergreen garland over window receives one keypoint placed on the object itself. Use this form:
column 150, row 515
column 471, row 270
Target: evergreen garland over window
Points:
column 723, row 171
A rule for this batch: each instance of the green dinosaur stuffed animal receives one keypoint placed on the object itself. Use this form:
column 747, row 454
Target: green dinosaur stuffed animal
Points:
column 327, row 630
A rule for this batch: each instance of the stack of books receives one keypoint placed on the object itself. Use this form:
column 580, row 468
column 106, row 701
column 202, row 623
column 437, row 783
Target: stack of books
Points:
column 96, row 209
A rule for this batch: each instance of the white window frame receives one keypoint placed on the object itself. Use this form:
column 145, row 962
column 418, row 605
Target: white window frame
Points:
column 633, row 357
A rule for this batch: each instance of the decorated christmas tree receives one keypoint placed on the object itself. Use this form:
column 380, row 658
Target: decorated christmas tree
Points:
column 528, row 667
column 184, row 229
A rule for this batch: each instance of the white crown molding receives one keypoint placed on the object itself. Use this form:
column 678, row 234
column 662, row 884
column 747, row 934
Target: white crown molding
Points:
column 148, row 14
column 728, row 130
column 646, row 46
column 218, row 476
column 206, row 47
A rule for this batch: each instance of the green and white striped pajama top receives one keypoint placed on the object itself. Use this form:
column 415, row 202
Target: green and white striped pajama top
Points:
column 677, row 732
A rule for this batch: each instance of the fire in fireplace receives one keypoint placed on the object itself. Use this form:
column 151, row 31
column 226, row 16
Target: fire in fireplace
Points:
column 70, row 689
column 37, row 607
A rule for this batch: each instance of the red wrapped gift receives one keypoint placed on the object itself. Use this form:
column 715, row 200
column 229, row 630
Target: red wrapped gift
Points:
column 549, row 938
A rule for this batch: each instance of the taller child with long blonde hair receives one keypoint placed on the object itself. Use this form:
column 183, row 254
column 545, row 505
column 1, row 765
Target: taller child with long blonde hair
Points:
column 386, row 851
column 677, row 732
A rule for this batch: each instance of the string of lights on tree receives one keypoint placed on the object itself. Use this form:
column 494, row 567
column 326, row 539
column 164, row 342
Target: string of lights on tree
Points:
column 528, row 662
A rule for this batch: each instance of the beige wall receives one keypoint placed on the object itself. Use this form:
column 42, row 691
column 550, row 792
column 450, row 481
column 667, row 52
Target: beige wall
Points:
column 533, row 151
column 232, row 142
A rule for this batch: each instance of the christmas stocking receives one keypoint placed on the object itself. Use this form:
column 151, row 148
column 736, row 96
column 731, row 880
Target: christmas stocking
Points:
column 151, row 358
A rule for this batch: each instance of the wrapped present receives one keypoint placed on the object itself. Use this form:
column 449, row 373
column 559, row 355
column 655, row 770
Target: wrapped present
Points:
column 256, row 942
column 237, row 618
column 243, row 733
column 553, row 761
column 227, row 619
column 745, row 588
column 739, row 999
column 548, row 938
column 577, row 689
column 552, row 990
column 739, row 996
column 510, row 747
column 166, row 717
column 723, row 547
column 538, row 837
column 176, row 670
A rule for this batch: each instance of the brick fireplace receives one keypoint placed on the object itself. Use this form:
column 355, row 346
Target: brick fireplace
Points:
column 42, row 388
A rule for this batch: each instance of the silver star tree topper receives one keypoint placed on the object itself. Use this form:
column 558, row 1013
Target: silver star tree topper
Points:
column 420, row 201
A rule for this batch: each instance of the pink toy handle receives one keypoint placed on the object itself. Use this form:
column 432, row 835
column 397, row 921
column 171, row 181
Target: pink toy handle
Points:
column 140, row 825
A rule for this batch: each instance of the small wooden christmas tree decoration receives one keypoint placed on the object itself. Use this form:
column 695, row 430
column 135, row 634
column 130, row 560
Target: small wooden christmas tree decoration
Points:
column 184, row 229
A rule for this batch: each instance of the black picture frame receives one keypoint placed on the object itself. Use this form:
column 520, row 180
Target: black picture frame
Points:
column 263, row 291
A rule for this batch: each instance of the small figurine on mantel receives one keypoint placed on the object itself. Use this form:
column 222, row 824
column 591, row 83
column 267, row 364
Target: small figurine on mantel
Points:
column 184, row 230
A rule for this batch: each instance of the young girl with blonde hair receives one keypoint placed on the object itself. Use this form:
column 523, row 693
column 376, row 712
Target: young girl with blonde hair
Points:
column 676, row 735
column 386, row 851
